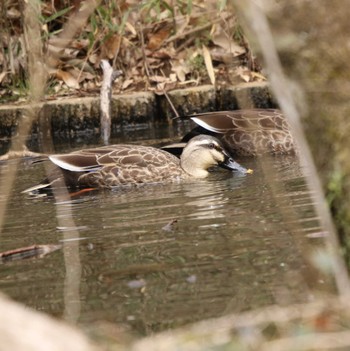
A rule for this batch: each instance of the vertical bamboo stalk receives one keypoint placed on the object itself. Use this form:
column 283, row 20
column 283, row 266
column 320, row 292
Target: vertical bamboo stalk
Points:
column 105, row 99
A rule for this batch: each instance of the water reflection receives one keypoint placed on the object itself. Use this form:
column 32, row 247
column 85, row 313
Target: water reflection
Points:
column 239, row 243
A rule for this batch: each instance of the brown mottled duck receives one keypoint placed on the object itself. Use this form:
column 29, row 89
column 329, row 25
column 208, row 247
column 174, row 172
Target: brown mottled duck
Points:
column 248, row 132
column 117, row 165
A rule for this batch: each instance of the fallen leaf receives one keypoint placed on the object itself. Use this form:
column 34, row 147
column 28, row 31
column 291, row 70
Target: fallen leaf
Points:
column 127, row 83
column 158, row 79
column 161, row 88
column 244, row 73
column 258, row 76
column 136, row 284
column 181, row 69
column 13, row 13
column 80, row 44
column 156, row 40
column 172, row 77
column 111, row 46
column 94, row 58
column 68, row 78
column 81, row 64
column 160, row 54
column 34, row 251
column 89, row 85
column 190, row 81
column 220, row 38
column 208, row 64
column 2, row 76
column 170, row 226
column 191, row 279
column 221, row 55
column 131, row 28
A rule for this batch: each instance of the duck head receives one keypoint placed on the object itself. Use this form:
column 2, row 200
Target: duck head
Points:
column 203, row 152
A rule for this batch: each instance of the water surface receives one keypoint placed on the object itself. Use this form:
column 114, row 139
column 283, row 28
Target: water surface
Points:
column 239, row 243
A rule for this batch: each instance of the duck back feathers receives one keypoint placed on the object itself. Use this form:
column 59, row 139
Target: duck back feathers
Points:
column 119, row 165
column 248, row 132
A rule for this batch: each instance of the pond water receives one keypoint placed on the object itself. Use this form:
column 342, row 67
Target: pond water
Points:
column 239, row 243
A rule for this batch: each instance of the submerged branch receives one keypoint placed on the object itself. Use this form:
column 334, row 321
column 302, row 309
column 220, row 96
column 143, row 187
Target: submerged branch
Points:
column 12, row 154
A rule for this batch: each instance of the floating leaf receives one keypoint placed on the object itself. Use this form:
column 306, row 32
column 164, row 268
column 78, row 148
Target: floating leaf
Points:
column 170, row 226
column 136, row 284
column 34, row 251
column 191, row 279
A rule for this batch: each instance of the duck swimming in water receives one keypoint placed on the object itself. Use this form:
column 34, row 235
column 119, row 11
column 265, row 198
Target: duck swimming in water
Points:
column 117, row 165
column 248, row 132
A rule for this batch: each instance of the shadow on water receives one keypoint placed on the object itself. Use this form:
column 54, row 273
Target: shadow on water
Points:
column 239, row 243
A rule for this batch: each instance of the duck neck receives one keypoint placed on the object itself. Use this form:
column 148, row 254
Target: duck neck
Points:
column 194, row 166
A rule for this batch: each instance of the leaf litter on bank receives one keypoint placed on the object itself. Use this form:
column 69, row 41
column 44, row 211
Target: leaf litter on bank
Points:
column 148, row 39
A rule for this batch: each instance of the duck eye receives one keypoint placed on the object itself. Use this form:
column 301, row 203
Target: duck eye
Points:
column 211, row 146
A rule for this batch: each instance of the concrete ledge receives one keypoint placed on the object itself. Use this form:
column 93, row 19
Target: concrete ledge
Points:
column 188, row 101
column 72, row 116
column 245, row 95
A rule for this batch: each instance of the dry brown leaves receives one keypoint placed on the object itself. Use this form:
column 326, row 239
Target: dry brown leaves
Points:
column 158, row 47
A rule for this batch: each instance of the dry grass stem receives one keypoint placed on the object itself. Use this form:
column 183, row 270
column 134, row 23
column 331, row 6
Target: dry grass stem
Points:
column 260, row 27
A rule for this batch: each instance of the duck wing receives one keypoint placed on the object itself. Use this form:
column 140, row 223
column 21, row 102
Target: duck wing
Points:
column 111, row 166
column 216, row 122
column 119, row 164
column 247, row 132
column 94, row 159
column 248, row 120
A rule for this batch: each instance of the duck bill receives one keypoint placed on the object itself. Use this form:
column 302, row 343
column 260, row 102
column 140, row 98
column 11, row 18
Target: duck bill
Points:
column 231, row 164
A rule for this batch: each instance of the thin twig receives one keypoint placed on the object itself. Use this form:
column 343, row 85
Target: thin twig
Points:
column 169, row 101
column 195, row 30
column 144, row 54
column 171, row 105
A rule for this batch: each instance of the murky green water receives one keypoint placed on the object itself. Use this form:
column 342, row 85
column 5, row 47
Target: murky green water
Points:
column 239, row 243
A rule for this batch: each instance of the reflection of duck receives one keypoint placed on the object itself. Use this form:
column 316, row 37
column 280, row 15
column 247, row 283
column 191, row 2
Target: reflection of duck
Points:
column 115, row 165
column 247, row 132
